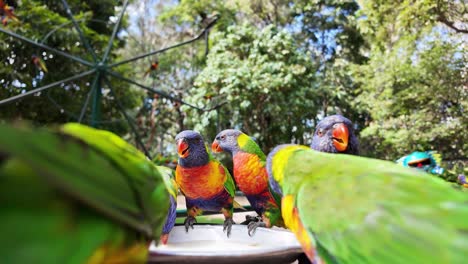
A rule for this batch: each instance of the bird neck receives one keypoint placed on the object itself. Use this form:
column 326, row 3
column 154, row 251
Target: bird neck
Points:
column 194, row 160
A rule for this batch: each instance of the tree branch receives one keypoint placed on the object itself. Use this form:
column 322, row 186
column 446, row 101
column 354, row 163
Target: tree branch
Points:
column 442, row 19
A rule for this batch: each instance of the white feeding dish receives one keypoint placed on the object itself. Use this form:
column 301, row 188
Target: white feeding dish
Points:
column 209, row 244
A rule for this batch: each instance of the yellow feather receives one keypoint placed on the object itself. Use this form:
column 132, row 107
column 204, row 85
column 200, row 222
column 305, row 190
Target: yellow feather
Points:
column 242, row 140
column 280, row 159
column 287, row 207
column 436, row 156
column 137, row 253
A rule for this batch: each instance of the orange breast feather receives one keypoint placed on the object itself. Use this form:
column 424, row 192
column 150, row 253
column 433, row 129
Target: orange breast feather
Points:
column 250, row 174
column 201, row 182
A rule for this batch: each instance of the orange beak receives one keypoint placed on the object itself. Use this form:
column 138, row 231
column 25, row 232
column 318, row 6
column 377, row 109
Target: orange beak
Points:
column 340, row 137
column 182, row 148
column 215, row 147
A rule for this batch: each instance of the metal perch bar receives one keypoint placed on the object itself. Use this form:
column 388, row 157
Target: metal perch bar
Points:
column 129, row 120
column 30, row 41
column 114, row 32
column 66, row 24
column 202, row 34
column 20, row 96
column 80, row 33
column 152, row 90
column 88, row 96
column 101, row 68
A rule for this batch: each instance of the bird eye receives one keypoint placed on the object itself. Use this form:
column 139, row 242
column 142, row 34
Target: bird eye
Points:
column 320, row 132
column 223, row 137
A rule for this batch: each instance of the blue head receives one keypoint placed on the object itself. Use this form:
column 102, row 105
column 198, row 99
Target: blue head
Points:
column 191, row 149
column 226, row 140
column 424, row 160
column 335, row 134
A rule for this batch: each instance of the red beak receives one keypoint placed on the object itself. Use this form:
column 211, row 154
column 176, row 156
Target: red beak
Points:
column 182, row 148
column 215, row 147
column 340, row 137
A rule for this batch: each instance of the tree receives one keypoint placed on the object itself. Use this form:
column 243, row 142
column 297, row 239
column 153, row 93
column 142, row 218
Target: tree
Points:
column 414, row 85
column 160, row 119
column 266, row 82
column 47, row 22
column 260, row 13
column 328, row 29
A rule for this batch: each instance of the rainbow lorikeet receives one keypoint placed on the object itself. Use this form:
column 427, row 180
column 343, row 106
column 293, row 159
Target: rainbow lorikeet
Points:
column 39, row 63
column 77, row 195
column 428, row 161
column 154, row 66
column 351, row 209
column 204, row 181
column 335, row 134
column 249, row 166
column 461, row 179
column 7, row 13
column 171, row 185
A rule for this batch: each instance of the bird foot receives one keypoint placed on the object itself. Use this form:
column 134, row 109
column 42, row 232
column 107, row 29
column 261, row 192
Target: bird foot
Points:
column 227, row 226
column 251, row 218
column 252, row 227
column 188, row 222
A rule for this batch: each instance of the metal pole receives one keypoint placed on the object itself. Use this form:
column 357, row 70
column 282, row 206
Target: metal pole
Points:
column 88, row 96
column 202, row 34
column 114, row 32
column 129, row 120
column 96, row 104
column 80, row 33
column 20, row 96
column 163, row 94
column 40, row 45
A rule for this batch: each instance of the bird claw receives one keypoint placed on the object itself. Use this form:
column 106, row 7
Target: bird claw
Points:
column 251, row 218
column 227, row 226
column 252, row 227
column 188, row 222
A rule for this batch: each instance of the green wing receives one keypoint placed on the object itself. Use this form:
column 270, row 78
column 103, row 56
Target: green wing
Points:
column 168, row 176
column 252, row 147
column 38, row 225
column 229, row 183
column 369, row 211
column 142, row 177
column 130, row 192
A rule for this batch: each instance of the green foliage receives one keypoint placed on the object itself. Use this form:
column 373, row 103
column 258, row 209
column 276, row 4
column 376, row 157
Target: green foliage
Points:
column 47, row 22
column 159, row 118
column 385, row 22
column 169, row 161
column 414, row 85
column 266, row 81
column 196, row 13
column 328, row 29
column 331, row 28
